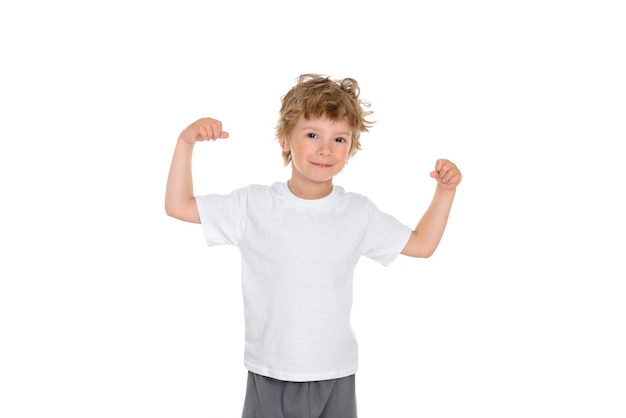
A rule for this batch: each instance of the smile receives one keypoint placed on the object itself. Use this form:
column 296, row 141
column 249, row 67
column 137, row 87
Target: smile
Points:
column 321, row 165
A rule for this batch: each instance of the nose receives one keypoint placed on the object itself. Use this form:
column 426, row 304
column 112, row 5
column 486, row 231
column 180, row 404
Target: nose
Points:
column 325, row 148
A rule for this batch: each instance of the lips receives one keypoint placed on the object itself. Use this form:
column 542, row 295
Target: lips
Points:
column 321, row 165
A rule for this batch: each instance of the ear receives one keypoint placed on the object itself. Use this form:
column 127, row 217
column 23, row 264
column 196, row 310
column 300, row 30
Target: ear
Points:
column 284, row 144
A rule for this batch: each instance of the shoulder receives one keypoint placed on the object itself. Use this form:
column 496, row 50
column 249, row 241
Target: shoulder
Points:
column 237, row 196
column 262, row 190
column 353, row 198
column 261, row 193
column 358, row 202
column 253, row 189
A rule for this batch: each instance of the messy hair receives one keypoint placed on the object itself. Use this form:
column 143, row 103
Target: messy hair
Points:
column 315, row 96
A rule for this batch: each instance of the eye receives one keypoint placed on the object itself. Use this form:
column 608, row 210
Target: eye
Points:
column 311, row 135
column 340, row 139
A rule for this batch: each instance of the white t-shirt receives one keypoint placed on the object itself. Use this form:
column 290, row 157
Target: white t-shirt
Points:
column 298, row 258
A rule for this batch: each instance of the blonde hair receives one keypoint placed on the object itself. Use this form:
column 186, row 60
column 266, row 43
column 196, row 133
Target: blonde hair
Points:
column 315, row 96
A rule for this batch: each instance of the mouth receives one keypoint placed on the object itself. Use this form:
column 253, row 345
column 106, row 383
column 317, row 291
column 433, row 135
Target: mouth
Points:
column 321, row 165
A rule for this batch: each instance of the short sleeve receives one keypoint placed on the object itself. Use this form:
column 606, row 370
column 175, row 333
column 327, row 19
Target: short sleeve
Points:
column 386, row 236
column 223, row 216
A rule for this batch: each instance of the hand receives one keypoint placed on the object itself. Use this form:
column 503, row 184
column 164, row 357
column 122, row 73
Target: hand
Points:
column 447, row 174
column 205, row 129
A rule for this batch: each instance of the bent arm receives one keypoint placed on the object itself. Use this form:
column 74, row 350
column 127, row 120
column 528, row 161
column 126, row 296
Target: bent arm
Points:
column 425, row 239
column 180, row 202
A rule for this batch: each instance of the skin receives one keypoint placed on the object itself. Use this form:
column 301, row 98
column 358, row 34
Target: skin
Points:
column 179, row 200
column 427, row 234
column 319, row 151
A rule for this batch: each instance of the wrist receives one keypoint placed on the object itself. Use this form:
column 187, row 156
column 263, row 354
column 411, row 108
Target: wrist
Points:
column 446, row 187
column 183, row 143
column 444, row 190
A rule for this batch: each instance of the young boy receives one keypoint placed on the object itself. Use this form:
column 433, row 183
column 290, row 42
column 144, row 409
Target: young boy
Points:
column 300, row 241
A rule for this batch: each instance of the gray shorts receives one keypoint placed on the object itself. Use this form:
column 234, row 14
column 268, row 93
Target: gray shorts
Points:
column 271, row 398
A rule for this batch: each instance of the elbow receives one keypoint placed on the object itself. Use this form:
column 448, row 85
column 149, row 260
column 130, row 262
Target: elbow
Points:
column 175, row 212
column 418, row 247
column 427, row 254
column 429, row 251
column 184, row 211
column 170, row 210
column 418, row 252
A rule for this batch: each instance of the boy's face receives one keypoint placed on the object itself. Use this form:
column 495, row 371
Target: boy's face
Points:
column 319, row 150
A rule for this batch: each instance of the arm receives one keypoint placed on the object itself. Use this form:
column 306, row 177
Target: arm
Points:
column 180, row 202
column 426, row 237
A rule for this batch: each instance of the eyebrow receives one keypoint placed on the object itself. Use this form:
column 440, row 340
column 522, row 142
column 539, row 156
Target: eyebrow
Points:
column 312, row 128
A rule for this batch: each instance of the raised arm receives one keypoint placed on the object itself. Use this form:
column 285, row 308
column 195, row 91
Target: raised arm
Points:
column 180, row 202
column 427, row 235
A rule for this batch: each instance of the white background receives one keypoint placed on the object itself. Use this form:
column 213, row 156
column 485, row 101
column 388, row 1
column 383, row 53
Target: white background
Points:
column 108, row 308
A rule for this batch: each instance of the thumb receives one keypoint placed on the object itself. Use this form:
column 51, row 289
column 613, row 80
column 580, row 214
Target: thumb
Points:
column 224, row 134
column 434, row 174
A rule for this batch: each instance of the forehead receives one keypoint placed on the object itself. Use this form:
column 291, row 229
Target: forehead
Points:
column 324, row 123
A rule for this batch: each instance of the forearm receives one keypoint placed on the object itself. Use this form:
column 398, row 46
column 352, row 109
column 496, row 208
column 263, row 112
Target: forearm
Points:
column 428, row 233
column 179, row 199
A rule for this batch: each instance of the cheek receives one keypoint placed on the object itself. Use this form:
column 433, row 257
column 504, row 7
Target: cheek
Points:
column 344, row 152
column 299, row 150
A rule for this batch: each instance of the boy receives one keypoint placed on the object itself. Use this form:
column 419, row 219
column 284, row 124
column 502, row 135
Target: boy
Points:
column 300, row 241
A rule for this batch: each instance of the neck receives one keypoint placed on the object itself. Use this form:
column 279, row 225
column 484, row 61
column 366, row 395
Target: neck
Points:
column 310, row 190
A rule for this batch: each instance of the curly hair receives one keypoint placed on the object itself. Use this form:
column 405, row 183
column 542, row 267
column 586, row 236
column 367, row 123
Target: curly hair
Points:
column 315, row 96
